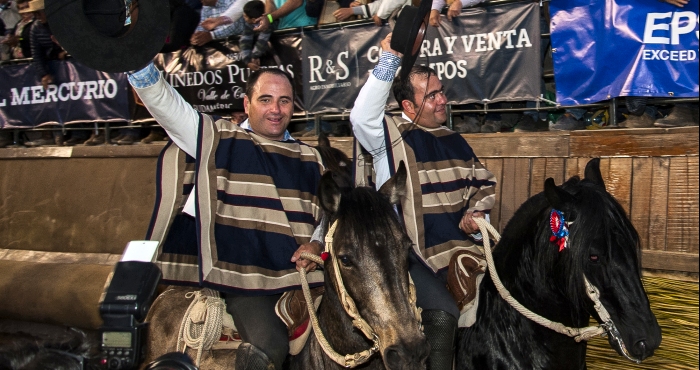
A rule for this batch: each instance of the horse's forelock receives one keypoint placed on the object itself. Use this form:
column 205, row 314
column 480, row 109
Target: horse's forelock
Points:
column 369, row 215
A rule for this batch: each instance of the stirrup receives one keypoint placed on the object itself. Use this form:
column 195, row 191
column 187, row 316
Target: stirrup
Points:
column 249, row 357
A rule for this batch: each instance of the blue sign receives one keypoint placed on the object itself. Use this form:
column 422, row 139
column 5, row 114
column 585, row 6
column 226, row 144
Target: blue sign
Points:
column 608, row 48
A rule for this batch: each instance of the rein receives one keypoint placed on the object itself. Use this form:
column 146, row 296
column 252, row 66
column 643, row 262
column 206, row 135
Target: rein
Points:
column 579, row 334
column 350, row 360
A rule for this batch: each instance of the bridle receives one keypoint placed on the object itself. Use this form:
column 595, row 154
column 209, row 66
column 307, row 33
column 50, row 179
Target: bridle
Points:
column 579, row 334
column 350, row 360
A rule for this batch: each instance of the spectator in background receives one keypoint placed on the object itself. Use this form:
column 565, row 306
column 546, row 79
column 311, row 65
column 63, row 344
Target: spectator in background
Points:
column 230, row 15
column 683, row 114
column 4, row 54
column 455, row 8
column 9, row 16
column 253, row 44
column 44, row 49
column 183, row 22
column 290, row 13
column 43, row 44
column 19, row 41
column 378, row 10
column 214, row 9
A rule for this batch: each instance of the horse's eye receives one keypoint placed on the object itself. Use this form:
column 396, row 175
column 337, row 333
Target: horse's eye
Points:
column 345, row 260
column 594, row 258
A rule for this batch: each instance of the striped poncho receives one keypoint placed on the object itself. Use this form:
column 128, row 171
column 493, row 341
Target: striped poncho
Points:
column 445, row 179
column 255, row 204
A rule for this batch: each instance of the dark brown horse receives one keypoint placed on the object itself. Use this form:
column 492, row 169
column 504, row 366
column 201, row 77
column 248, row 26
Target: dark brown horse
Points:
column 546, row 275
column 371, row 248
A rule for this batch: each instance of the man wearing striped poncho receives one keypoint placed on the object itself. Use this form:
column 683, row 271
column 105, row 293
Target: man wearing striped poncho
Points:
column 449, row 186
column 236, row 205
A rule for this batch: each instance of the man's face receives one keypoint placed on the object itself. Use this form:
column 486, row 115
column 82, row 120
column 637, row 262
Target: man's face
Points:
column 270, row 107
column 434, row 113
column 23, row 6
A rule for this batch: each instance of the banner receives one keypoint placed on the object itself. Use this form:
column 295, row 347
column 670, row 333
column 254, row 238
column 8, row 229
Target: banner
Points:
column 485, row 54
column 213, row 78
column 78, row 94
column 605, row 49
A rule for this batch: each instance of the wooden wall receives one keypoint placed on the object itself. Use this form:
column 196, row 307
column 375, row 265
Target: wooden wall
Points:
column 96, row 199
column 652, row 172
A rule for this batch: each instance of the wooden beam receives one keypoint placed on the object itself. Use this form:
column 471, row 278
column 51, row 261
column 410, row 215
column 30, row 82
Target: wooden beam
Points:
column 635, row 142
column 671, row 261
column 520, row 144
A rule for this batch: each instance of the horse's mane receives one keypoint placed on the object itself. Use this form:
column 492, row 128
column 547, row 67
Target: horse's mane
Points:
column 600, row 227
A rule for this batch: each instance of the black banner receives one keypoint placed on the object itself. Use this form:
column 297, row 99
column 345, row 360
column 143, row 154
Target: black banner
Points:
column 485, row 54
column 334, row 75
column 213, row 78
column 78, row 94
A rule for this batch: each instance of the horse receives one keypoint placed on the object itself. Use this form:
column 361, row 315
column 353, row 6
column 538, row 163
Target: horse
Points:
column 545, row 273
column 372, row 250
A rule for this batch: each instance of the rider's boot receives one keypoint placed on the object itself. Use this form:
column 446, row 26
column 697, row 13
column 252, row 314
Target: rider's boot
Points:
column 440, row 329
column 249, row 357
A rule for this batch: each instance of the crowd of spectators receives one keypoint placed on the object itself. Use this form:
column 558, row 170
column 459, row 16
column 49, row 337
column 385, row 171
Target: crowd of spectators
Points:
column 26, row 34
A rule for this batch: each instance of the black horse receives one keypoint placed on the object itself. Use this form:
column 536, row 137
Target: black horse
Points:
column 371, row 248
column 602, row 245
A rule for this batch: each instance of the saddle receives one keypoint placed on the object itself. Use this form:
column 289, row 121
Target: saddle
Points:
column 207, row 326
column 206, row 319
column 464, row 275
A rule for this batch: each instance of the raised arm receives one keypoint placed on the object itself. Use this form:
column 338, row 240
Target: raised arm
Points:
column 169, row 109
column 235, row 11
column 367, row 114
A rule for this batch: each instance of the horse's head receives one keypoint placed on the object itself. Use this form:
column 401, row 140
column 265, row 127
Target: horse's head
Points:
column 371, row 249
column 604, row 246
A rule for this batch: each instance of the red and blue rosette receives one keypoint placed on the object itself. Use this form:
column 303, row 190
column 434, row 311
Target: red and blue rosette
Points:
column 560, row 232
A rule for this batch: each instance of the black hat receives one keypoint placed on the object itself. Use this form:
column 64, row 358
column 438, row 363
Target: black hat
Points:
column 407, row 36
column 95, row 34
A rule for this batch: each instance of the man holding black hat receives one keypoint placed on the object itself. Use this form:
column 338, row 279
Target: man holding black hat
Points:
column 236, row 202
column 449, row 186
column 247, row 205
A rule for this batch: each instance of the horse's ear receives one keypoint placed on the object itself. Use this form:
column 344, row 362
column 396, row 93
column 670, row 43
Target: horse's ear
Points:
column 323, row 140
column 592, row 172
column 329, row 193
column 556, row 197
column 395, row 187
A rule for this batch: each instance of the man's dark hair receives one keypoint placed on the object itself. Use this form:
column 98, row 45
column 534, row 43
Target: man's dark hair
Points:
column 254, row 9
column 255, row 75
column 403, row 89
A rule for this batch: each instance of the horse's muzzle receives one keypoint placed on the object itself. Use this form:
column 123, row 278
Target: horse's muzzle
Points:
column 407, row 357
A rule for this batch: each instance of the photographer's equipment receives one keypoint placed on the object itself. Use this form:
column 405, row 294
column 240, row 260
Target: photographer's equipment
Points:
column 172, row 361
column 127, row 300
